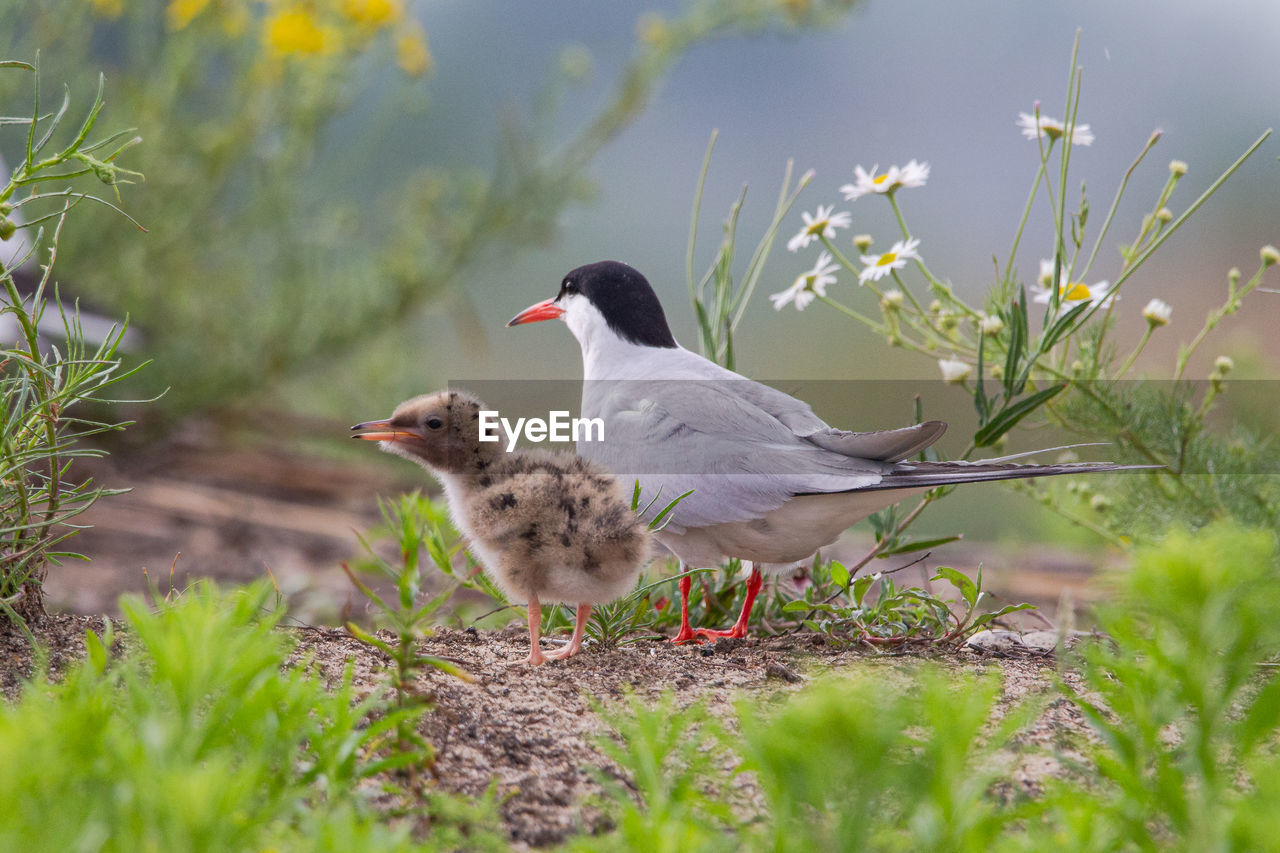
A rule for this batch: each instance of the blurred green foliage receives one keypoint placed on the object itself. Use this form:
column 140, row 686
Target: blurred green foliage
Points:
column 198, row 736
column 1178, row 689
column 257, row 268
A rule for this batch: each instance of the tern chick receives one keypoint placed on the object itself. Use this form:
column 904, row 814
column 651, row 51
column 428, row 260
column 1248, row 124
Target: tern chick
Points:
column 547, row 527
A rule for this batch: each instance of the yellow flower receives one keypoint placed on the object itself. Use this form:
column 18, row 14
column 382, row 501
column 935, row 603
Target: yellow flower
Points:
column 107, row 8
column 372, row 14
column 182, row 12
column 412, row 54
column 295, row 31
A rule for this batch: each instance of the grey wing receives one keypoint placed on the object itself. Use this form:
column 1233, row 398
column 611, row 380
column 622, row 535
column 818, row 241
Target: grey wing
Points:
column 890, row 445
column 740, row 460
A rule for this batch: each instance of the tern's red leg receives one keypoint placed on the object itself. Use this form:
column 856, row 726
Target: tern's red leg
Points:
column 739, row 629
column 571, row 648
column 686, row 634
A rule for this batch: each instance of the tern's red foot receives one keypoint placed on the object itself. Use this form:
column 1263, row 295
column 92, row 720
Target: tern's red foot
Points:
column 736, row 632
column 686, row 635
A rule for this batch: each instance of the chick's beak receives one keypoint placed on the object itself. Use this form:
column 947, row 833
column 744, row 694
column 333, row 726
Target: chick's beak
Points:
column 378, row 431
column 547, row 309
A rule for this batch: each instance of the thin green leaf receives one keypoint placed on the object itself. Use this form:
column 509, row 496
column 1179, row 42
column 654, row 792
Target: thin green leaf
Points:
column 1009, row 417
column 922, row 545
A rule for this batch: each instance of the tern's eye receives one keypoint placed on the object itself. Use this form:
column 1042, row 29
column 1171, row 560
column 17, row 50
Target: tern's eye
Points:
column 434, row 423
column 568, row 286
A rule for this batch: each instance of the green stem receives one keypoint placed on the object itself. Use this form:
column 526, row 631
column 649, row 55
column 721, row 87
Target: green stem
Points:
column 1128, row 362
column 1017, row 235
column 1115, row 202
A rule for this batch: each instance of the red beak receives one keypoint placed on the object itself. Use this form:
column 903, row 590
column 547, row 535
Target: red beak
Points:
column 544, row 310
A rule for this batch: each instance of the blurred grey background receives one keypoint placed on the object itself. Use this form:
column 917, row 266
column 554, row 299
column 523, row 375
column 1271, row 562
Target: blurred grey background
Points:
column 941, row 82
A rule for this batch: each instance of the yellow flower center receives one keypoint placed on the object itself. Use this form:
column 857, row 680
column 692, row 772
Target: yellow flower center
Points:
column 1074, row 292
column 886, row 259
column 818, row 227
column 295, row 31
column 371, row 13
column 880, row 179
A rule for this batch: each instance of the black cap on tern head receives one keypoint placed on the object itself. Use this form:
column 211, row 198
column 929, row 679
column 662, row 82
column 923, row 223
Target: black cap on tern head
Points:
column 625, row 299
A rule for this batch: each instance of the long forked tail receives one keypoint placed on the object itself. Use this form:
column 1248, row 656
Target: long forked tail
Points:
column 906, row 475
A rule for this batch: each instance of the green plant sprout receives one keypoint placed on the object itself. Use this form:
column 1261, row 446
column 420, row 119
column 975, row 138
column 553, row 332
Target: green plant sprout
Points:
column 45, row 388
column 841, row 608
column 415, row 525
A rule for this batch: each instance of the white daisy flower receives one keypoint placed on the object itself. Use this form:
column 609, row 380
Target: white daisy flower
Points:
column 914, row 174
column 876, row 267
column 823, row 223
column 1100, row 294
column 991, row 325
column 1053, row 129
column 1158, row 312
column 808, row 285
column 954, row 370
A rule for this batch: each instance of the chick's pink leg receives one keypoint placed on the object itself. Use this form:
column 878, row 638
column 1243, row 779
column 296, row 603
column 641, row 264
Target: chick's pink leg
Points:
column 686, row 634
column 536, row 656
column 739, row 629
column 571, row 649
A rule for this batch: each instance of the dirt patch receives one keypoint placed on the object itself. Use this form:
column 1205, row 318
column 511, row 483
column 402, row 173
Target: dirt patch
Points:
column 62, row 636
column 532, row 732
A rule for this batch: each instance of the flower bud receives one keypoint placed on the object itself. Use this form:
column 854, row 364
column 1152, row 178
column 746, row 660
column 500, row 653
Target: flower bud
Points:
column 1100, row 503
column 1157, row 312
column 862, row 242
column 1164, row 215
column 1178, row 167
column 1270, row 256
column 954, row 370
column 991, row 326
column 1223, row 364
column 7, row 227
column 892, row 300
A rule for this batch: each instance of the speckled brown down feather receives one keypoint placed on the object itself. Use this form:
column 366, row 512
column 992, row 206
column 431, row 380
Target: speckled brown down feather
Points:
column 547, row 527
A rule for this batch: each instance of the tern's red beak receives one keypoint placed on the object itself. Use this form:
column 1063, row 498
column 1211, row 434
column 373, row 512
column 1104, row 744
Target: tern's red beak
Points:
column 544, row 310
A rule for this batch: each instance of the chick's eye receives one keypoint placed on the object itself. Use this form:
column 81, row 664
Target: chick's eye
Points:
column 434, row 423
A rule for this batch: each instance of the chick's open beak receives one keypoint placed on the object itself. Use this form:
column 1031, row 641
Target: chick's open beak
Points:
column 378, row 431
column 547, row 309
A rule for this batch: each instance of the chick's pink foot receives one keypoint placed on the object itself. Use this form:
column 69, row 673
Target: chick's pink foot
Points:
column 571, row 648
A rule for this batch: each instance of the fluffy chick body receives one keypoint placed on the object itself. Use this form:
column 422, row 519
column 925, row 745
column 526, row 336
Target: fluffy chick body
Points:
column 546, row 526
column 551, row 525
